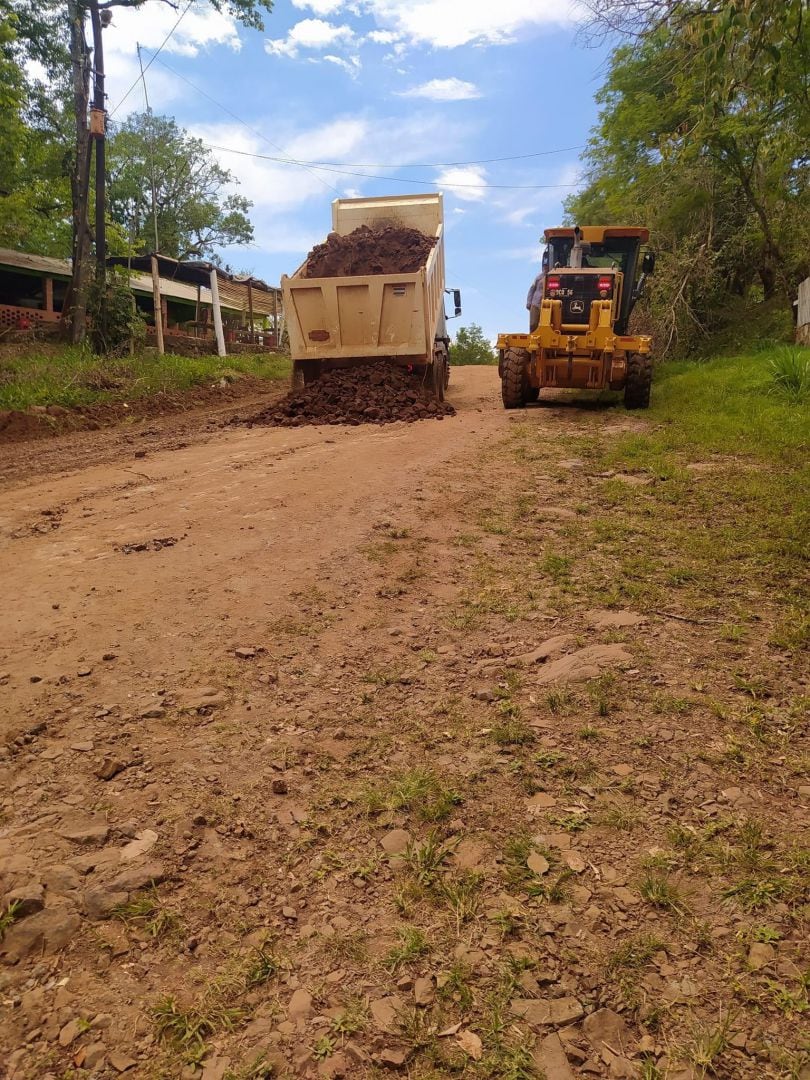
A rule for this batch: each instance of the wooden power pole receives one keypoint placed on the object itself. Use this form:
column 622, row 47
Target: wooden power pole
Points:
column 98, row 129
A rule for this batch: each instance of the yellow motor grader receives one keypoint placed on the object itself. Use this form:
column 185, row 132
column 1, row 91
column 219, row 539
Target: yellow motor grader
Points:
column 590, row 282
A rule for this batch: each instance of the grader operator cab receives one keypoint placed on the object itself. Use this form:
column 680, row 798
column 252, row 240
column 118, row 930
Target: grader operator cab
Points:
column 578, row 333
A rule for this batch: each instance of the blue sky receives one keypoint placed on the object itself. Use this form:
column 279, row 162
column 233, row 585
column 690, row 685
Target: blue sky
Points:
column 388, row 87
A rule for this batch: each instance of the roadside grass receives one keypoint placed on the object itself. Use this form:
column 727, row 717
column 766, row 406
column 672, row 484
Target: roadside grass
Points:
column 71, row 376
column 184, row 1026
column 724, row 501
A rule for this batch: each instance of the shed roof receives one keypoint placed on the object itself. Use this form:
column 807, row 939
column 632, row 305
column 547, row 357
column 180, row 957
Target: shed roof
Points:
column 42, row 264
column 178, row 281
column 233, row 288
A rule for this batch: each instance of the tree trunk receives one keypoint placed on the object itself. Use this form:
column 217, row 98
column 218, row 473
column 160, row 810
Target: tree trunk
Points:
column 76, row 309
column 771, row 270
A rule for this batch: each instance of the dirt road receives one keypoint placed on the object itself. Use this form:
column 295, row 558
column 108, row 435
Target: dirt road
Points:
column 277, row 797
column 247, row 521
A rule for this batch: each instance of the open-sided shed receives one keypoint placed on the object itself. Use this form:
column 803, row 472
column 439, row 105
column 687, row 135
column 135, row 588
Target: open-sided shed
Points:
column 33, row 292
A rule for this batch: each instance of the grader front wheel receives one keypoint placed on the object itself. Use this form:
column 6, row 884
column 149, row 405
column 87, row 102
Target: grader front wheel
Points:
column 638, row 382
column 514, row 378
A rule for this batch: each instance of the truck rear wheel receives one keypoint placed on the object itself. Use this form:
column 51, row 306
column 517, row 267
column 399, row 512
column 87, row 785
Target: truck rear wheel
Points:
column 305, row 372
column 638, row 382
column 514, row 378
column 438, row 375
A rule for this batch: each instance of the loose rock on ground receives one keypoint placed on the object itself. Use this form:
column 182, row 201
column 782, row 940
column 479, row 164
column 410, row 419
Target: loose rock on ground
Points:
column 379, row 393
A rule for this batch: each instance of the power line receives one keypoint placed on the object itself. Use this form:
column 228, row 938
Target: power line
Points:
column 239, row 120
column 342, row 168
column 445, row 164
column 391, row 179
column 182, row 15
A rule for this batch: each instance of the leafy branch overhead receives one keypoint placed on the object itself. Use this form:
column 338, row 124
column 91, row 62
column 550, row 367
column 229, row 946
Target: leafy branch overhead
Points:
column 248, row 12
column 703, row 136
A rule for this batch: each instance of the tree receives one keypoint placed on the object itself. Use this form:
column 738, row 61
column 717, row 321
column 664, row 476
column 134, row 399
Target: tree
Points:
column 54, row 32
column 194, row 213
column 34, row 190
column 703, row 136
column 471, row 347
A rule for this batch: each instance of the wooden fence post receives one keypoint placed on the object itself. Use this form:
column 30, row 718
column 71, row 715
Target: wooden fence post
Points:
column 217, row 314
column 157, row 305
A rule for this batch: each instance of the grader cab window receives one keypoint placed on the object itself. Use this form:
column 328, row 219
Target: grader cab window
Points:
column 618, row 254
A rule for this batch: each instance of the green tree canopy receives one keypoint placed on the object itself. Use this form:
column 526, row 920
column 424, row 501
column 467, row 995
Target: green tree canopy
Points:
column 34, row 187
column 471, row 347
column 703, row 136
column 195, row 211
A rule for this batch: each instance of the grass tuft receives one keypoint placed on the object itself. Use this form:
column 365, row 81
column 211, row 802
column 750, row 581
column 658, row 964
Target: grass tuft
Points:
column 789, row 368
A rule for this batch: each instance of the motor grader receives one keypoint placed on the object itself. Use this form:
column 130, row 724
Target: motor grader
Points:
column 578, row 333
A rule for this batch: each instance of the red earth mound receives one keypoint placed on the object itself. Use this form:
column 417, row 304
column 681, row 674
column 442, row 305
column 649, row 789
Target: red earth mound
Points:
column 380, row 393
column 389, row 250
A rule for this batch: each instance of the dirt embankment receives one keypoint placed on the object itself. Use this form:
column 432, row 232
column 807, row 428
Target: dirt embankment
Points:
column 42, row 422
column 389, row 250
column 378, row 393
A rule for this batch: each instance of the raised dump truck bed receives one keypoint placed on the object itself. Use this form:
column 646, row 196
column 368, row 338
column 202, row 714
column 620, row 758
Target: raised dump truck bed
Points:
column 332, row 321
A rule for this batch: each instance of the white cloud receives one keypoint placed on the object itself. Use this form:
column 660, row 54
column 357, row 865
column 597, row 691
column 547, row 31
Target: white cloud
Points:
column 444, row 90
column 309, row 34
column 288, row 199
column 448, row 23
column 278, row 190
column 465, row 182
column 320, row 7
column 382, row 37
column 351, row 66
column 150, row 24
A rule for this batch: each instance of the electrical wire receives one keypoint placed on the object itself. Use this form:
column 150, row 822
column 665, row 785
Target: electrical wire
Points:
column 342, row 168
column 182, row 15
column 443, row 164
column 239, row 120
column 390, row 179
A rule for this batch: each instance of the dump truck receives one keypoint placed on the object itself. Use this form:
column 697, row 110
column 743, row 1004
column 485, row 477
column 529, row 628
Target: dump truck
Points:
column 592, row 278
column 398, row 317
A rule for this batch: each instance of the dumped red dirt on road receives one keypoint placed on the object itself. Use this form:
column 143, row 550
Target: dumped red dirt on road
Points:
column 371, row 394
column 390, row 250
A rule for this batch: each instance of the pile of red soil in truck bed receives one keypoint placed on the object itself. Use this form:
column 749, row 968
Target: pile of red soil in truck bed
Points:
column 392, row 249
column 380, row 393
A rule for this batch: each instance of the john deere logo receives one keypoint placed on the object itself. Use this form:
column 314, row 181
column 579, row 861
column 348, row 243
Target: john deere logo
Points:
column 577, row 306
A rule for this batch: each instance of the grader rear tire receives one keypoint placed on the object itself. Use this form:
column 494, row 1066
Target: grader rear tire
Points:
column 638, row 382
column 514, row 379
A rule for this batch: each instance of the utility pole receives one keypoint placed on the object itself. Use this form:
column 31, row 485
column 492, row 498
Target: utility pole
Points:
column 76, row 302
column 98, row 125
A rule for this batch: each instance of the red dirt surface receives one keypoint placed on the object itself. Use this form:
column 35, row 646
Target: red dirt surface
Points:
column 17, row 425
column 390, row 250
column 371, row 394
